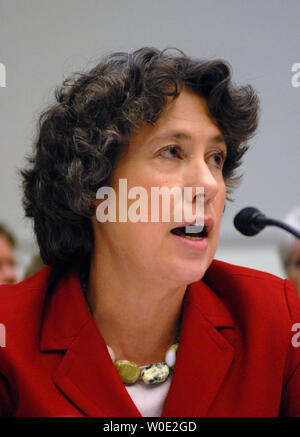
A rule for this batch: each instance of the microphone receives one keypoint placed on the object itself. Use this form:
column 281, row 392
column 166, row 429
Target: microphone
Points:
column 250, row 221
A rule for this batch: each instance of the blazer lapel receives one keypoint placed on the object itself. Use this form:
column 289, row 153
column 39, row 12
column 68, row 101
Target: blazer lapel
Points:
column 204, row 355
column 88, row 377
column 86, row 374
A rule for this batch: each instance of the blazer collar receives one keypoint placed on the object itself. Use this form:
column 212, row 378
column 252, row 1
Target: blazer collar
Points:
column 88, row 377
column 204, row 355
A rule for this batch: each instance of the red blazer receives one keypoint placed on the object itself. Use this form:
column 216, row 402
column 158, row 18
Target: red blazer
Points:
column 235, row 356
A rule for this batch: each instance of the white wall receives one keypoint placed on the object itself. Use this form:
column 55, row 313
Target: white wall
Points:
column 260, row 257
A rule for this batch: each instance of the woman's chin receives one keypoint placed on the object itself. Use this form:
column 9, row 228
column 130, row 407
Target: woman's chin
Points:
column 187, row 272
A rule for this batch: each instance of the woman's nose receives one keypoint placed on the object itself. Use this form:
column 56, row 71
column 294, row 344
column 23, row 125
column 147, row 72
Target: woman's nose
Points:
column 199, row 175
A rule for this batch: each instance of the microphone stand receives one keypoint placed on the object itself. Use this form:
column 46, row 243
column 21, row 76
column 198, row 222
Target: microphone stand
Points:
column 261, row 221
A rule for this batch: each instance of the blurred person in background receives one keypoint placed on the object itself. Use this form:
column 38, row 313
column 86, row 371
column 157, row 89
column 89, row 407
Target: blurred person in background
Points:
column 8, row 274
column 289, row 249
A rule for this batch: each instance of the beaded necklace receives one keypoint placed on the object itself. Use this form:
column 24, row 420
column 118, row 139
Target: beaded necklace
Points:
column 155, row 373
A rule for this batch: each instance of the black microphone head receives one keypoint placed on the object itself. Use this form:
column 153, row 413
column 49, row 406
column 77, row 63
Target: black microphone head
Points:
column 245, row 222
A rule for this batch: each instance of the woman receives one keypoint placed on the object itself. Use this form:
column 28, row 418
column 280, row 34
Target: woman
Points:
column 138, row 291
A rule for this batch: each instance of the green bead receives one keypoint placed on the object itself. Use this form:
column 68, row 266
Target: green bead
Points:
column 129, row 371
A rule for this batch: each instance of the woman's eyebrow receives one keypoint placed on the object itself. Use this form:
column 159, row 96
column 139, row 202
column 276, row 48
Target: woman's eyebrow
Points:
column 180, row 135
column 171, row 135
column 218, row 139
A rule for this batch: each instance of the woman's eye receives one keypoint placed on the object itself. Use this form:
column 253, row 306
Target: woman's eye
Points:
column 171, row 152
column 219, row 159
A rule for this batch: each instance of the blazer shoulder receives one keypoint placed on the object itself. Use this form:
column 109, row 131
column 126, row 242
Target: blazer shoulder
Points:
column 20, row 296
column 253, row 289
column 236, row 270
column 227, row 270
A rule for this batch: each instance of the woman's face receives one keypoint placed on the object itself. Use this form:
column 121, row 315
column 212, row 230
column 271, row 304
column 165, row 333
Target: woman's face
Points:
column 184, row 148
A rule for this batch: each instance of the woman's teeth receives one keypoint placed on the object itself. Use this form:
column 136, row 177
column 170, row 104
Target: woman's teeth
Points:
column 182, row 232
column 191, row 238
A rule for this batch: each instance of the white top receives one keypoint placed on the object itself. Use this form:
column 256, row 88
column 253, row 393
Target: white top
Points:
column 149, row 399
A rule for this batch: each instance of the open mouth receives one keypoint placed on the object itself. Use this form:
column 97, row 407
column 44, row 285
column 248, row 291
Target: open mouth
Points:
column 182, row 232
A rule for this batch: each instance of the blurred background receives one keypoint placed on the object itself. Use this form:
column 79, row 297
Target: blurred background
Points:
column 43, row 41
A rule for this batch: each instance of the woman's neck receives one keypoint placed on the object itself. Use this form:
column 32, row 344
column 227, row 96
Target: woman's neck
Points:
column 139, row 319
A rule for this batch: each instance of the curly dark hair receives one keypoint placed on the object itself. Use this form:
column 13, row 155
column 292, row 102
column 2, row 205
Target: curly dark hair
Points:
column 81, row 137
